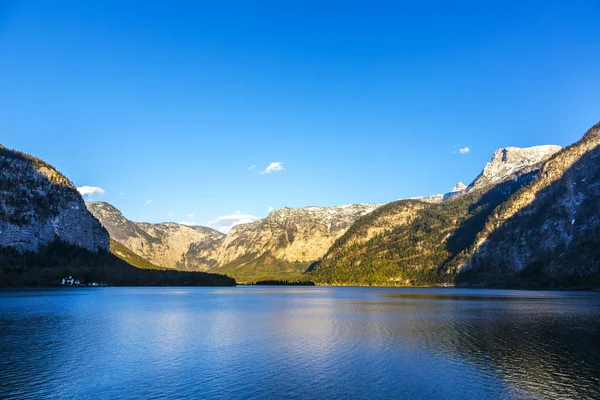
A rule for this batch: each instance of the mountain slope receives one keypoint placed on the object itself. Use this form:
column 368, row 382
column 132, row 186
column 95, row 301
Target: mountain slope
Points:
column 39, row 205
column 549, row 232
column 419, row 242
column 166, row 244
column 287, row 241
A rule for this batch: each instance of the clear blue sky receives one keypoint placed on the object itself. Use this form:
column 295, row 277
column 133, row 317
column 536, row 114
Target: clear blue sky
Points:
column 361, row 101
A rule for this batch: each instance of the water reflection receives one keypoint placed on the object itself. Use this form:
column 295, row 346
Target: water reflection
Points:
column 298, row 343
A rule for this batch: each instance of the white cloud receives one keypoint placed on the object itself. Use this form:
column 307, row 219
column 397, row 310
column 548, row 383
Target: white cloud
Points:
column 226, row 222
column 270, row 209
column 121, row 193
column 148, row 202
column 273, row 167
column 252, row 167
column 89, row 191
column 464, row 150
column 191, row 216
column 170, row 213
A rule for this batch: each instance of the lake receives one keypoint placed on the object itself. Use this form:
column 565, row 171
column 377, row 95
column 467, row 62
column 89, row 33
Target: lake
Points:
column 298, row 343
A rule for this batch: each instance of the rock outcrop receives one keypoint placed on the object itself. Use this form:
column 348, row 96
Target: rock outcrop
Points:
column 38, row 206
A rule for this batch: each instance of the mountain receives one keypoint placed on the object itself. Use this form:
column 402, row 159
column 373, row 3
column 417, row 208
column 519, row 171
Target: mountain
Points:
column 421, row 242
column 281, row 245
column 39, row 205
column 548, row 233
column 286, row 241
column 166, row 244
column 509, row 162
column 47, row 233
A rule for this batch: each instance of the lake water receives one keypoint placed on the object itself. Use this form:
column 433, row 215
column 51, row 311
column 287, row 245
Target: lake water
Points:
column 298, row 343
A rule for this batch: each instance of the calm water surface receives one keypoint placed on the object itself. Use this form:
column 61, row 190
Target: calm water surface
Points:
column 298, row 343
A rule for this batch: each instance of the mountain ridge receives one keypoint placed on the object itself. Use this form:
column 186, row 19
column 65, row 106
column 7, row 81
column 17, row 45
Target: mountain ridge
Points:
column 444, row 243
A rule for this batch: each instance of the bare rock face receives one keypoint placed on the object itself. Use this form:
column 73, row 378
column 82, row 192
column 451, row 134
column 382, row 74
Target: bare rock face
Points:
column 510, row 162
column 38, row 205
column 288, row 235
column 166, row 244
column 551, row 228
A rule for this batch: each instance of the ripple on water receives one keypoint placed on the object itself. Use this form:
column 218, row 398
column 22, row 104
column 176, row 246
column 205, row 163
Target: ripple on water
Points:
column 164, row 343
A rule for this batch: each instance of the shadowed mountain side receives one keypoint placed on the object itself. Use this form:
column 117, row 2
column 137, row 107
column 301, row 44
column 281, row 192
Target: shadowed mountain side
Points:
column 537, row 228
column 56, row 260
column 547, row 234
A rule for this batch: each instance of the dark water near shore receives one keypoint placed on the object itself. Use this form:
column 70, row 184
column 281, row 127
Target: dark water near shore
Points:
column 298, row 343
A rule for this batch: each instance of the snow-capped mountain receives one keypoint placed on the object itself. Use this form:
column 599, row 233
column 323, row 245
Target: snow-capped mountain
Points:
column 510, row 162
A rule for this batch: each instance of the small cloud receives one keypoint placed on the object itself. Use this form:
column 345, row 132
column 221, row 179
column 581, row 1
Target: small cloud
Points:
column 148, row 203
column 89, row 191
column 270, row 209
column 121, row 194
column 191, row 216
column 188, row 223
column 226, row 222
column 170, row 213
column 252, row 167
column 273, row 167
column 464, row 150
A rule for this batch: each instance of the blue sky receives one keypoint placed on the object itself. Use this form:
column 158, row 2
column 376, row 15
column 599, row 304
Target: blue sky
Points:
column 166, row 106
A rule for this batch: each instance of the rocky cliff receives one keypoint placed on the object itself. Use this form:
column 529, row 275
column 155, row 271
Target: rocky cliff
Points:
column 549, row 231
column 38, row 205
column 166, row 244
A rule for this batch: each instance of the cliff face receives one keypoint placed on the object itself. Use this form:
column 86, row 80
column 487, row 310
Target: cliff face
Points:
column 551, row 228
column 38, row 205
column 165, row 245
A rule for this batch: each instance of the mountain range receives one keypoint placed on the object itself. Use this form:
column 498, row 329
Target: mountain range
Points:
column 47, row 233
column 530, row 218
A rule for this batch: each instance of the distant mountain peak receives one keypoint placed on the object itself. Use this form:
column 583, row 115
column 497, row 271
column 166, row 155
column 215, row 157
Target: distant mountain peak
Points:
column 509, row 162
column 459, row 187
